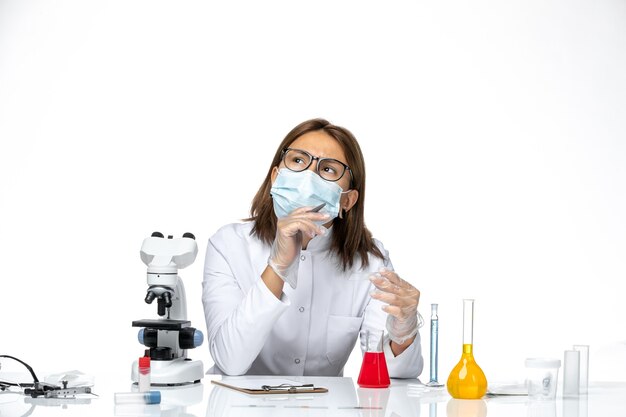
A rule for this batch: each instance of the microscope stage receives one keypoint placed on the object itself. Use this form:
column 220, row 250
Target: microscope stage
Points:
column 162, row 324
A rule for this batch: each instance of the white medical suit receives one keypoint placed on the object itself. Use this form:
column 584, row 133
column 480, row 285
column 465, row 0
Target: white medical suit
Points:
column 309, row 331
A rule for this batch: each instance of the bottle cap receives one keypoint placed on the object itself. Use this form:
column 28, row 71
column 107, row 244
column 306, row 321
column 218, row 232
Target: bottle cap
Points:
column 153, row 397
column 144, row 362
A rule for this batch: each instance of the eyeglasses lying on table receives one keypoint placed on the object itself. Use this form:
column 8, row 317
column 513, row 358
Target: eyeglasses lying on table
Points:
column 287, row 387
column 269, row 386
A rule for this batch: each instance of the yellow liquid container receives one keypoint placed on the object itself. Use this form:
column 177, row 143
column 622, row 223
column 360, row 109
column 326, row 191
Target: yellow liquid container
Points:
column 467, row 381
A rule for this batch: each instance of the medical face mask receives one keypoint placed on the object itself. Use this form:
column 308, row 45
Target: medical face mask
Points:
column 292, row 190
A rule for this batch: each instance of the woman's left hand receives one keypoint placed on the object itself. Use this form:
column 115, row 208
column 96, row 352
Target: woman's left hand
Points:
column 402, row 299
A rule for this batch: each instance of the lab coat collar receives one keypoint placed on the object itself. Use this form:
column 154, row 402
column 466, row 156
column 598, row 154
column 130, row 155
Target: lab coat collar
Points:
column 321, row 243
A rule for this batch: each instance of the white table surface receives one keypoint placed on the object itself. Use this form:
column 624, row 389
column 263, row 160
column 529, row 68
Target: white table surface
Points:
column 344, row 399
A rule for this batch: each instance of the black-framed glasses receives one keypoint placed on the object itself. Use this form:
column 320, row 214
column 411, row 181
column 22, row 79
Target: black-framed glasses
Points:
column 329, row 169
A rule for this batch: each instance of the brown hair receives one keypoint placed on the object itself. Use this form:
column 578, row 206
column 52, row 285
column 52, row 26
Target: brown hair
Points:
column 350, row 236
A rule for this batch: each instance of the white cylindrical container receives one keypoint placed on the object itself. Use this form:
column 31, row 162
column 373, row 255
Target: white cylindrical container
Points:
column 584, row 367
column 542, row 375
column 571, row 378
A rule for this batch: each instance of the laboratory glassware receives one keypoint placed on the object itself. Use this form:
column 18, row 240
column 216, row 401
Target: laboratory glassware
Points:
column 467, row 381
column 434, row 347
column 542, row 376
column 584, row 367
column 571, row 376
column 374, row 372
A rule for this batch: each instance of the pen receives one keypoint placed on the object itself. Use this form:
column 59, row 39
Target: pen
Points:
column 314, row 210
column 317, row 208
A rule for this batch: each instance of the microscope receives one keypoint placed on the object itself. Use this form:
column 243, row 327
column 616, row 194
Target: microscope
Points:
column 170, row 335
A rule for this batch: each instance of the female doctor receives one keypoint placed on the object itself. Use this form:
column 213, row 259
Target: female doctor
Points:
column 339, row 281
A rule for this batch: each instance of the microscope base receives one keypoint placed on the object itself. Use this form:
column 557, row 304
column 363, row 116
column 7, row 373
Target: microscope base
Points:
column 173, row 372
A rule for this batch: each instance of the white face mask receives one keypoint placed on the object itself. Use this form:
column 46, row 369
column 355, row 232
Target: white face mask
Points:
column 293, row 190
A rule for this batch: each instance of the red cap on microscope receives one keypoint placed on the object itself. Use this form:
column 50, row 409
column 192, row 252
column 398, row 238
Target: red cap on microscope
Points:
column 144, row 362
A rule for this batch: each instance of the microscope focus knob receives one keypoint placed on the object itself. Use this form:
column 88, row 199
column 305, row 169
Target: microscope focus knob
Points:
column 189, row 338
column 148, row 337
column 161, row 353
column 189, row 235
column 157, row 234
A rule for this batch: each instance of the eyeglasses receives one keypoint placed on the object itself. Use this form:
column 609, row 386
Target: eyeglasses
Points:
column 329, row 169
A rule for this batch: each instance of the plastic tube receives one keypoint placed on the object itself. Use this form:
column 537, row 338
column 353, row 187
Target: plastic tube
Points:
column 571, row 378
column 144, row 374
column 584, row 367
column 150, row 397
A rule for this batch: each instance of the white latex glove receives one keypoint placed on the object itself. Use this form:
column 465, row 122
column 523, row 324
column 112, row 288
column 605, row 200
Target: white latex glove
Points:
column 402, row 298
column 285, row 251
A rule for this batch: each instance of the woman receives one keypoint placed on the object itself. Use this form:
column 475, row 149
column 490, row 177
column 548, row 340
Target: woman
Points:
column 307, row 230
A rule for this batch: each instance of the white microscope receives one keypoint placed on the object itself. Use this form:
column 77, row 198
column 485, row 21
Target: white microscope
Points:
column 169, row 336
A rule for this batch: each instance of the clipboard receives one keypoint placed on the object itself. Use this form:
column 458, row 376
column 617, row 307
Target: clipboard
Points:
column 275, row 389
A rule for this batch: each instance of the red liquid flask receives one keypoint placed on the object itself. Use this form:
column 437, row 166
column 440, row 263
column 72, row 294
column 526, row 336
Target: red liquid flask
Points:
column 374, row 372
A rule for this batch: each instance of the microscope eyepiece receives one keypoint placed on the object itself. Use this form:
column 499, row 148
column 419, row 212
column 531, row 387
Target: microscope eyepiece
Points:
column 150, row 297
column 165, row 301
column 167, row 298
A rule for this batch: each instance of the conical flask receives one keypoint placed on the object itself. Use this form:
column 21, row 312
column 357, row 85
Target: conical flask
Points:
column 374, row 372
column 467, row 381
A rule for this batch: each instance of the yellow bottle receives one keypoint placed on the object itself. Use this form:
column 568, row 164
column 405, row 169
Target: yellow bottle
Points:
column 467, row 381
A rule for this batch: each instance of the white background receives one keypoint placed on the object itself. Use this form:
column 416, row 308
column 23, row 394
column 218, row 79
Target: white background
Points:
column 493, row 132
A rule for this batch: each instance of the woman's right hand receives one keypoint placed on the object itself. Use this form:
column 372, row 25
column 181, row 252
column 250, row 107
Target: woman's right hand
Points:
column 288, row 241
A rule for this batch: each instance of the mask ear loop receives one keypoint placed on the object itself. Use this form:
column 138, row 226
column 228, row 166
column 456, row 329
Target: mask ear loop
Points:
column 342, row 210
